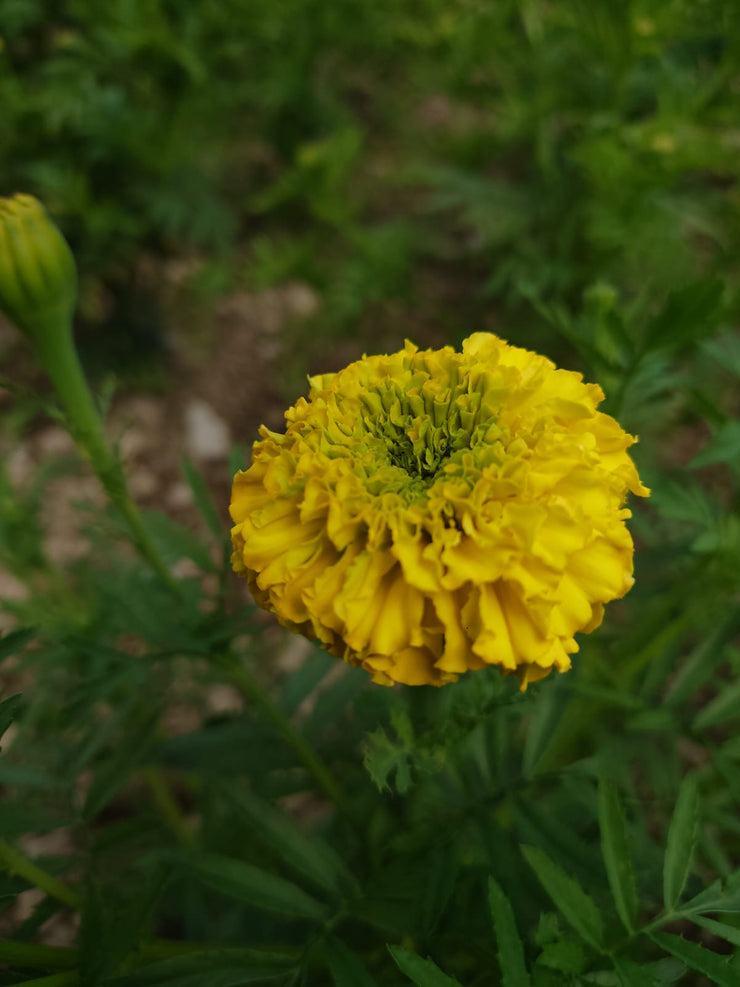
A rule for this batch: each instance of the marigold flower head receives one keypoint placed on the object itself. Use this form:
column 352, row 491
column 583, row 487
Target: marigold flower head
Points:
column 430, row 512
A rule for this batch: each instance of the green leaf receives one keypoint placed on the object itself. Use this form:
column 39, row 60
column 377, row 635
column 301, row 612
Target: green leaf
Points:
column 723, row 447
column 305, row 853
column 115, row 917
column 15, row 641
column 116, row 770
column 256, row 887
column 203, row 499
column 575, row 905
column 699, row 667
column 632, row 974
column 731, row 933
column 303, row 680
column 510, row 949
column 9, row 709
column 346, row 967
column 12, row 775
column 239, row 459
column 424, row 973
column 566, row 956
column 175, row 542
column 208, row 968
column 721, row 896
column 719, row 969
column 544, row 721
column 436, row 889
column 682, row 834
column 689, row 314
column 724, row 707
column 617, row 857
column 382, row 758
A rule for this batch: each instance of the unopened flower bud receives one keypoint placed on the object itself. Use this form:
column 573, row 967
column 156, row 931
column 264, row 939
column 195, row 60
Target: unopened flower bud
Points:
column 38, row 277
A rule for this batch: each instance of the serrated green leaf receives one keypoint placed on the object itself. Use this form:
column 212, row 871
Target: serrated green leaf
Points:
column 721, row 896
column 424, row 973
column 565, row 956
column 730, row 933
column 723, row 447
column 346, row 967
column 208, row 968
column 510, row 949
column 175, row 542
column 696, row 957
column 685, row 501
column 9, row 709
column 689, row 314
column 724, row 707
column 203, row 499
column 559, row 840
column 575, row 905
column 305, row 853
column 254, row 886
column 383, row 758
column 632, row 974
column 681, row 842
column 616, row 852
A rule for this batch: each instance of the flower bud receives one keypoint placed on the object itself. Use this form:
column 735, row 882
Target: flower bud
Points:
column 38, row 278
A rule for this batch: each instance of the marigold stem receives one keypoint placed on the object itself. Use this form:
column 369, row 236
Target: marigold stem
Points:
column 168, row 808
column 289, row 732
column 59, row 357
column 12, row 860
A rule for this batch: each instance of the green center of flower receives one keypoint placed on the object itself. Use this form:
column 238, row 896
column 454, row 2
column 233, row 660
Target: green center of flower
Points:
column 422, row 461
column 420, row 429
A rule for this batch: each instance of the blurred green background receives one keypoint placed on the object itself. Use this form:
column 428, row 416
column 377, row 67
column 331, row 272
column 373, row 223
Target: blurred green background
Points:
column 256, row 190
column 427, row 167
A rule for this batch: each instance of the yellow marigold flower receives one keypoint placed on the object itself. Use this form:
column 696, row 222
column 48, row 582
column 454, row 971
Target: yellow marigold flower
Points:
column 430, row 512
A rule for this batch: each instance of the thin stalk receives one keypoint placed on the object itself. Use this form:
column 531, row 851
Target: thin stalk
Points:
column 305, row 751
column 168, row 808
column 59, row 357
column 34, row 954
column 16, row 862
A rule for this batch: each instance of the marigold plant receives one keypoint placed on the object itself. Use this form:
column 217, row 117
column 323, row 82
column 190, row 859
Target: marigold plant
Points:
column 430, row 512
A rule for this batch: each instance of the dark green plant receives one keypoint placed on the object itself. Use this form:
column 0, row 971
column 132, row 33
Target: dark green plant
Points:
column 578, row 194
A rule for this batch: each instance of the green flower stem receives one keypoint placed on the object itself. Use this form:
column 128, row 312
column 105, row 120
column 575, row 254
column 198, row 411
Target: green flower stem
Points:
column 305, row 751
column 70, row 979
column 59, row 357
column 167, row 806
column 34, row 954
column 16, row 862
